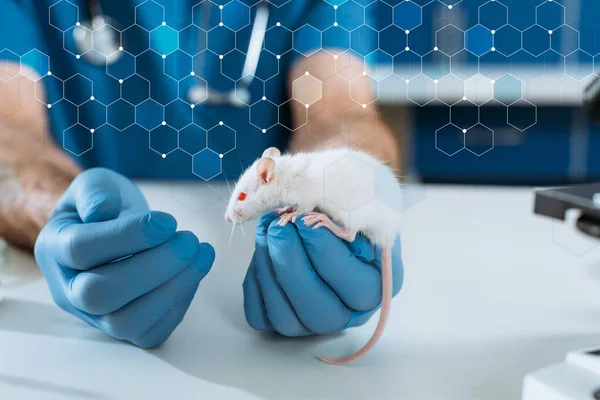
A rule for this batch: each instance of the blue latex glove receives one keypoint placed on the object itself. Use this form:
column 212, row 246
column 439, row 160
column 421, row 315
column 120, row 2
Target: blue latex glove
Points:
column 83, row 252
column 303, row 281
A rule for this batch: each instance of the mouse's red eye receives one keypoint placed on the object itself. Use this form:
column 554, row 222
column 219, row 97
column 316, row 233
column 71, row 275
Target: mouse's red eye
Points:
column 242, row 196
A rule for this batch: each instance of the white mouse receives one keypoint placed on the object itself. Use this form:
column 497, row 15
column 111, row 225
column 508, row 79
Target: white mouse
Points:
column 318, row 184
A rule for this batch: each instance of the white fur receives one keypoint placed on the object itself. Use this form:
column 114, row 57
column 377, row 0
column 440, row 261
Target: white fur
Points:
column 341, row 183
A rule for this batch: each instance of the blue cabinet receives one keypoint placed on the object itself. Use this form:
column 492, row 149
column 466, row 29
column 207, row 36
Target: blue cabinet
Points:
column 555, row 151
column 510, row 43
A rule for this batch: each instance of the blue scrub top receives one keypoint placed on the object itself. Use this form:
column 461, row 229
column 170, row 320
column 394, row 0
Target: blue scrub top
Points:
column 127, row 118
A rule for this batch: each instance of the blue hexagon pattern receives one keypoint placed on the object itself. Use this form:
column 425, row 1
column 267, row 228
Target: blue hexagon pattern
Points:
column 206, row 164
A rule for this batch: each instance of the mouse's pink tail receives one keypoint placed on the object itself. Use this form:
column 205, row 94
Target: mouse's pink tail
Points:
column 386, row 298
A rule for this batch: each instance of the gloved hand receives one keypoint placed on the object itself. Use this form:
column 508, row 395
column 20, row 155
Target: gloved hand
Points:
column 83, row 252
column 303, row 281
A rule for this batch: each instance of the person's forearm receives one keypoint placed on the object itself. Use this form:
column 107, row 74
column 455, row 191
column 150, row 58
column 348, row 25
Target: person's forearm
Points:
column 35, row 171
column 337, row 119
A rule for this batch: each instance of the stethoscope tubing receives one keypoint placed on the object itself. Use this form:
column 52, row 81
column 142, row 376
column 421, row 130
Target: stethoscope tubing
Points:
column 85, row 41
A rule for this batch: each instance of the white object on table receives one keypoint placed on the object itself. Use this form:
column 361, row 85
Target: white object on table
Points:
column 488, row 297
column 577, row 378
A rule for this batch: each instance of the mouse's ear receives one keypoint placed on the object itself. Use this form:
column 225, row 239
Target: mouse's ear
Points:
column 271, row 152
column 265, row 170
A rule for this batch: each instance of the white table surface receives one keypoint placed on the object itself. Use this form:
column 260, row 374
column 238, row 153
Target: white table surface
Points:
column 488, row 296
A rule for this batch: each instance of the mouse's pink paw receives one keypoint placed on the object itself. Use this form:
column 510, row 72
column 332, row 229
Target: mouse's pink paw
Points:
column 284, row 210
column 323, row 220
column 285, row 218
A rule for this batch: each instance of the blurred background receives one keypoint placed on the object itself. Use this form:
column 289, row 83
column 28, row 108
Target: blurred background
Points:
column 478, row 91
column 489, row 92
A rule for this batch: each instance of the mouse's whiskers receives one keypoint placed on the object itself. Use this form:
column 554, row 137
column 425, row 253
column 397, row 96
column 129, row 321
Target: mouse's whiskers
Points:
column 228, row 186
column 231, row 235
column 243, row 231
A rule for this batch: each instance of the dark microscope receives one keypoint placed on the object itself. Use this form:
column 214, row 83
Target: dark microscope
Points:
column 585, row 198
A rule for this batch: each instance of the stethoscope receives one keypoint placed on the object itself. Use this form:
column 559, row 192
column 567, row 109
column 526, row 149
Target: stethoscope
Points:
column 100, row 33
column 97, row 38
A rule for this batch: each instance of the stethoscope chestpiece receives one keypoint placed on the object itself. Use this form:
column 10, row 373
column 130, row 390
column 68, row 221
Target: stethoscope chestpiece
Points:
column 97, row 39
